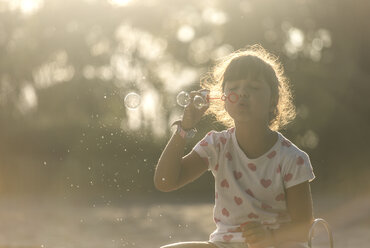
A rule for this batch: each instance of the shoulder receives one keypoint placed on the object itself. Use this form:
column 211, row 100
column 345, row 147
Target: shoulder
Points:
column 291, row 151
column 219, row 134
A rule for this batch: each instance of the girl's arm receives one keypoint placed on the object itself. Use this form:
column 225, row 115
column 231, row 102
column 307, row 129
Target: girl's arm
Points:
column 299, row 204
column 173, row 170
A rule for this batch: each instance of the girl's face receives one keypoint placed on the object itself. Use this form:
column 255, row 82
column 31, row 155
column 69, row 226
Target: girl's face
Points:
column 253, row 102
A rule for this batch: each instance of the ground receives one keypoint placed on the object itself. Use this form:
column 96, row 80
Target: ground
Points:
column 147, row 223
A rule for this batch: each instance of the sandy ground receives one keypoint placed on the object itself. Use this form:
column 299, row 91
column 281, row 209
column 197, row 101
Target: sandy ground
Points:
column 149, row 224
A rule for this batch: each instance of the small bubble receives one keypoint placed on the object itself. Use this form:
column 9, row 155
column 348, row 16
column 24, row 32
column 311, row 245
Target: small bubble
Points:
column 199, row 102
column 44, row 162
column 132, row 100
column 183, row 99
column 163, row 179
column 105, row 97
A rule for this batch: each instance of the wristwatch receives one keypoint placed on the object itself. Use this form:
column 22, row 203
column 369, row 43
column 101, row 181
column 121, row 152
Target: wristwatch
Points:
column 186, row 134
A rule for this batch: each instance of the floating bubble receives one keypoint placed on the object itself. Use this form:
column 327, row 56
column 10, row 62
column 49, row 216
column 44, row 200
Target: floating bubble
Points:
column 199, row 102
column 132, row 100
column 183, row 99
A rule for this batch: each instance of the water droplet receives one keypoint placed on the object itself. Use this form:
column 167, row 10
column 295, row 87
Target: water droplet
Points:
column 132, row 100
column 44, row 162
column 183, row 99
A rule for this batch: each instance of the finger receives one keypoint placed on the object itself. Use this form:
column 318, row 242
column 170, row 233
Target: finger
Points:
column 254, row 236
column 250, row 224
column 259, row 244
column 253, row 240
column 252, row 231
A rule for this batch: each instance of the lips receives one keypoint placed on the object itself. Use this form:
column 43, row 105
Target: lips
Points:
column 242, row 104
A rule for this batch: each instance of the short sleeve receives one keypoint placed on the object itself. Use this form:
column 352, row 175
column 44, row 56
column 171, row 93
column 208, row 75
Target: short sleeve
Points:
column 297, row 169
column 206, row 148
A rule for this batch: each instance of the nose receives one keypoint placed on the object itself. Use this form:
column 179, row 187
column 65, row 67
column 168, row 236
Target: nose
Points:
column 243, row 92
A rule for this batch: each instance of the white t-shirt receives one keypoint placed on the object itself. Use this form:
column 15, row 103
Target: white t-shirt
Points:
column 251, row 189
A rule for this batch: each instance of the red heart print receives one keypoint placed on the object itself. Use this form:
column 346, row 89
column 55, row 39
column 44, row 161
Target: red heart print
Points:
column 278, row 170
column 223, row 140
column 265, row 206
column 237, row 174
column 216, row 220
column 238, row 200
column 209, row 133
column 252, row 166
column 288, row 177
column 216, row 167
column 227, row 238
column 249, row 192
column 280, row 197
column 228, row 155
column 225, row 183
column 266, row 183
column 231, row 130
column 252, row 216
column 300, row 160
column 225, row 212
column 286, row 143
column 271, row 154
column 204, row 143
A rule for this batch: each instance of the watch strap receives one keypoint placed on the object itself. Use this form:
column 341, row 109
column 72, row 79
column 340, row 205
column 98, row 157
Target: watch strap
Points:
column 186, row 134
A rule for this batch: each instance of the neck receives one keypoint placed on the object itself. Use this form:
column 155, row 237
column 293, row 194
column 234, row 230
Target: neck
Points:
column 254, row 139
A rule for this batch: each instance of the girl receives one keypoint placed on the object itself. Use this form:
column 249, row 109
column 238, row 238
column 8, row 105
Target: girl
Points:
column 262, row 192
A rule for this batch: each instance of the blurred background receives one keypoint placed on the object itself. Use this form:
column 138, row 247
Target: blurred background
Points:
column 76, row 165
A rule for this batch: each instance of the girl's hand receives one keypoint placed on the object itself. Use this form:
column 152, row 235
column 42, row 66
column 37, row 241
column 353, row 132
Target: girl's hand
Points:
column 192, row 114
column 256, row 235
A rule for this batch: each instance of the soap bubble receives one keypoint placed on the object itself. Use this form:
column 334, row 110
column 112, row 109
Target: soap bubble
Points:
column 132, row 100
column 199, row 102
column 183, row 99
